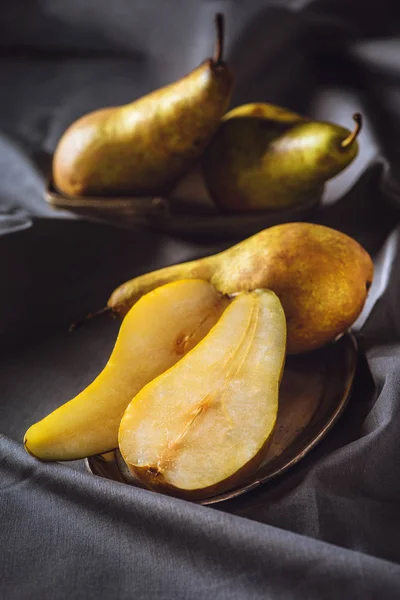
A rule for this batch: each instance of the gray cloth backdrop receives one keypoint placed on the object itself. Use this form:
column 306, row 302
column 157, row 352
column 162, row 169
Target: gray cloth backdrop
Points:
column 328, row 529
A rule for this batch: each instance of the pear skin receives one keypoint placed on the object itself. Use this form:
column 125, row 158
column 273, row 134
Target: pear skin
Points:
column 320, row 275
column 263, row 157
column 161, row 328
column 201, row 443
column 145, row 147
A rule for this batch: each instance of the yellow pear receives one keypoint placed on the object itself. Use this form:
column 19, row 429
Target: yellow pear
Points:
column 145, row 147
column 204, row 425
column 156, row 333
column 320, row 275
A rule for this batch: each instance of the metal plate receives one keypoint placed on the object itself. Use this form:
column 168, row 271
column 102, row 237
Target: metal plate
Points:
column 314, row 391
column 181, row 215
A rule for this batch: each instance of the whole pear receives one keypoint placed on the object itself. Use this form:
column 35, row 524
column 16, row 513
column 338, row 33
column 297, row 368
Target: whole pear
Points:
column 264, row 157
column 145, row 147
column 320, row 275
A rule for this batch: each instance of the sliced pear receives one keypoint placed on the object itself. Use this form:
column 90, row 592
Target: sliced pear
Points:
column 163, row 326
column 205, row 424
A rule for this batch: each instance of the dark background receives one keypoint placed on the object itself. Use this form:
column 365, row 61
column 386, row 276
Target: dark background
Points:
column 331, row 526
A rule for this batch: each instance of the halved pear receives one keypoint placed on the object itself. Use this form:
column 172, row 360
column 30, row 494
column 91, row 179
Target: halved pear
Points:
column 205, row 424
column 163, row 326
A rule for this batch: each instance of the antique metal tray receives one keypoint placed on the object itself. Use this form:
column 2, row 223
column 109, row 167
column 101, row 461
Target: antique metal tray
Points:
column 314, row 392
column 189, row 211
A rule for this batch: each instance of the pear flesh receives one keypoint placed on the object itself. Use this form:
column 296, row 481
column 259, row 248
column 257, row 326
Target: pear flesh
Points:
column 263, row 157
column 320, row 275
column 161, row 328
column 205, row 424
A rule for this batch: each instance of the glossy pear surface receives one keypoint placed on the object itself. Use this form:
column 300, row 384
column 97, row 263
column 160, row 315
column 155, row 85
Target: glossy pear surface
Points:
column 156, row 333
column 204, row 425
column 263, row 157
column 320, row 275
column 143, row 148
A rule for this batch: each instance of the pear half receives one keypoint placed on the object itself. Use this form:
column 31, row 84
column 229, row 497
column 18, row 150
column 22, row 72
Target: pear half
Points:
column 155, row 334
column 205, row 424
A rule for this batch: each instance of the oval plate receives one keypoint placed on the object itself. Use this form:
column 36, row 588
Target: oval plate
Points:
column 179, row 216
column 314, row 391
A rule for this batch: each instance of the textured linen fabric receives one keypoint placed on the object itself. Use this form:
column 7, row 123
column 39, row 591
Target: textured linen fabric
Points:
column 328, row 528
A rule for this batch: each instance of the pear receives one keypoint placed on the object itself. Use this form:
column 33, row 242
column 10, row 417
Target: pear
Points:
column 145, row 147
column 263, row 157
column 157, row 332
column 205, row 424
column 320, row 275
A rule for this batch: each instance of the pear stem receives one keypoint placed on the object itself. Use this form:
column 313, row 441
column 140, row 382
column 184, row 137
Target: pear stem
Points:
column 102, row 311
column 352, row 136
column 219, row 47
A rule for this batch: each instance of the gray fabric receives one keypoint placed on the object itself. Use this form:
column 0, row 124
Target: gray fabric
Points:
column 330, row 527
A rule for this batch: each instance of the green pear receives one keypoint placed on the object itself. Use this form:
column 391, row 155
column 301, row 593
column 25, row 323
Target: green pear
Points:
column 263, row 157
column 145, row 147
column 320, row 275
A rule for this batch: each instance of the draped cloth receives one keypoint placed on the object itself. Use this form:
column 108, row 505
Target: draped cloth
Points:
column 330, row 526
